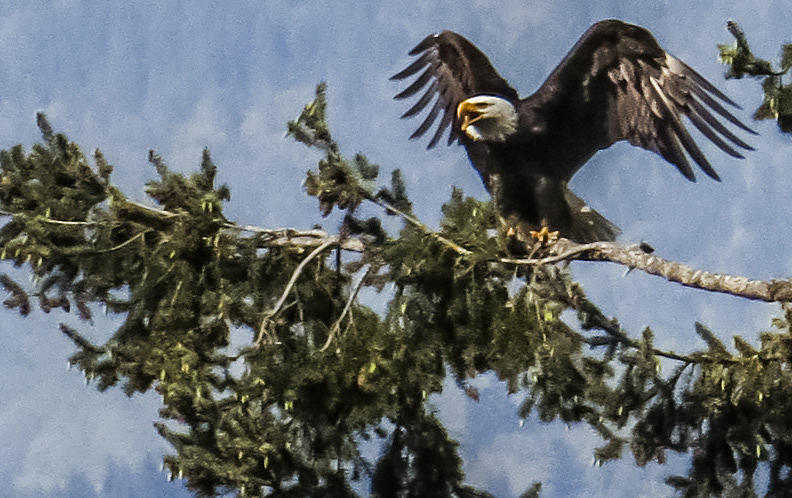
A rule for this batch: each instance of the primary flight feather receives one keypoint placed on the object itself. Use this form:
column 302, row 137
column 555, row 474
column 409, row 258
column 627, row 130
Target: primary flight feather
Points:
column 616, row 83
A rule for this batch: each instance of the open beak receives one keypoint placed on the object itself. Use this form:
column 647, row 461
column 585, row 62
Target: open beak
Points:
column 470, row 112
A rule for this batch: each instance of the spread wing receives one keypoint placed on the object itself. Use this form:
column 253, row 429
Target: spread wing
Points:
column 454, row 70
column 618, row 74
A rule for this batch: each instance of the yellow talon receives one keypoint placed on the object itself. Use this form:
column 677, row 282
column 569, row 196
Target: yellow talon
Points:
column 544, row 235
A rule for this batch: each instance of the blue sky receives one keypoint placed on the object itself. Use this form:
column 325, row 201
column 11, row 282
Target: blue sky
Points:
column 176, row 77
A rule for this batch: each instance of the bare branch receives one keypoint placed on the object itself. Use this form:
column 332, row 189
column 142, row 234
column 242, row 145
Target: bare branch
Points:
column 268, row 317
column 347, row 244
column 634, row 257
column 352, row 296
column 290, row 237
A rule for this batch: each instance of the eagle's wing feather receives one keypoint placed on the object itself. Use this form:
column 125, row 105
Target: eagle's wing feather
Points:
column 619, row 80
column 457, row 71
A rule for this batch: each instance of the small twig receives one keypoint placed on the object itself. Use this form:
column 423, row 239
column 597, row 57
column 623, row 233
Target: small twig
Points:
column 274, row 312
column 123, row 244
column 352, row 296
column 416, row 223
column 64, row 222
column 161, row 212
column 50, row 220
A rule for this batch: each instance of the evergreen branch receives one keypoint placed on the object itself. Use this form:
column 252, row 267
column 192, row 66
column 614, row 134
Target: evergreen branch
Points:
column 753, row 66
column 79, row 340
column 352, row 296
column 613, row 329
column 777, row 95
column 665, row 354
column 280, row 237
column 268, row 317
column 632, row 343
column 635, row 257
column 592, row 318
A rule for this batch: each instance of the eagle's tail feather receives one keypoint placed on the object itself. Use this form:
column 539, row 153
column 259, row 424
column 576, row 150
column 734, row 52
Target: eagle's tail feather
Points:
column 588, row 225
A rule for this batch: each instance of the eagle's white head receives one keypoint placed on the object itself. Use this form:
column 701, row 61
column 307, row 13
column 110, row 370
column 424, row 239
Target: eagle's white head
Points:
column 487, row 117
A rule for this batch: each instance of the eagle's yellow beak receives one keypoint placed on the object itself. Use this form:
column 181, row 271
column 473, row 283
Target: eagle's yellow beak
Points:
column 470, row 112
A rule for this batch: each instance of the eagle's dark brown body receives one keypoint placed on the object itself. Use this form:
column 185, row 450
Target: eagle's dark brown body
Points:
column 615, row 84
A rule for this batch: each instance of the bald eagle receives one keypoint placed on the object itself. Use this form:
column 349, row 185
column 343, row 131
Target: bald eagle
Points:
column 616, row 83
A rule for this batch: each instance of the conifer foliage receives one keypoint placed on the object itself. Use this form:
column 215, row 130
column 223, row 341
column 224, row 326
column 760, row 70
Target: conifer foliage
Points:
column 319, row 374
column 777, row 102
